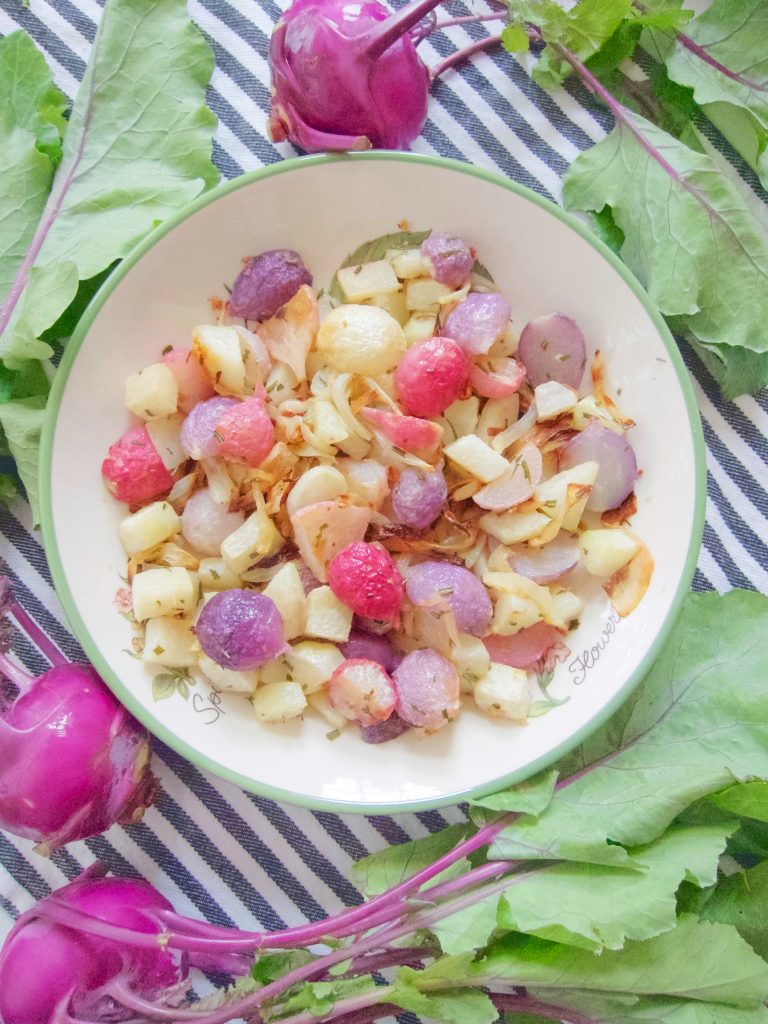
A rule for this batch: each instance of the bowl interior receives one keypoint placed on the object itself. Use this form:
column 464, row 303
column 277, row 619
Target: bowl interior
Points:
column 324, row 209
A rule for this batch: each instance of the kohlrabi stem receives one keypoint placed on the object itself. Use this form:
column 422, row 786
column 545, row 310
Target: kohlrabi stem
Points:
column 468, row 19
column 36, row 635
column 462, row 55
column 510, row 1003
column 703, row 54
column 15, row 673
column 387, row 32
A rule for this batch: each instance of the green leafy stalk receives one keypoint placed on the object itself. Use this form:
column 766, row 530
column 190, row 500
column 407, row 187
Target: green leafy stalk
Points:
column 137, row 148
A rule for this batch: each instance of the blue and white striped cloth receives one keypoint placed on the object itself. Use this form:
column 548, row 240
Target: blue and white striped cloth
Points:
column 215, row 851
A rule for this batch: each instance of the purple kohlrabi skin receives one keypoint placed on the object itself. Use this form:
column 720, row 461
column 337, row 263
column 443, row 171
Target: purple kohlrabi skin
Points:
column 328, row 92
column 69, row 718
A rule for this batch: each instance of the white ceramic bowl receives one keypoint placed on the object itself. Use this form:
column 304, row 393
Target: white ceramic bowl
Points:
column 324, row 208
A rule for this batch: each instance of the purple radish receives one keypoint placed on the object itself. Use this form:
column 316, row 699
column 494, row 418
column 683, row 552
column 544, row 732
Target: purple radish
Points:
column 442, row 583
column 362, row 644
column 383, row 732
column 428, row 694
column 418, row 498
column 450, row 258
column 267, row 283
column 478, row 322
column 240, row 630
column 618, row 471
column 198, row 431
column 552, row 347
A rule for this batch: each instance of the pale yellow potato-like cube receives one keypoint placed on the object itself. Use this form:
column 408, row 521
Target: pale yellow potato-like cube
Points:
column 329, row 427
column 425, row 292
column 257, row 538
column 327, row 617
column 152, row 393
column 312, row 663
column 419, row 327
column 276, row 670
column 361, row 339
column 368, row 279
column 322, row 529
column 279, row 702
column 512, row 613
column 320, row 701
column 408, row 263
column 476, row 458
column 504, row 693
column 170, row 642
column 569, row 606
column 215, row 574
column 606, row 551
column 497, row 415
column 227, row 678
column 471, row 659
column 159, row 592
column 166, row 437
column 589, row 409
column 149, row 527
column 553, row 399
column 394, row 304
column 286, row 590
column 513, row 527
column 221, row 354
column 366, row 479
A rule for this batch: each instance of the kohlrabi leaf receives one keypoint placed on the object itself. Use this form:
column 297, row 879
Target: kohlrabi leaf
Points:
column 722, row 56
column 601, row 907
column 584, row 29
column 137, row 149
column 692, row 235
column 696, row 960
column 747, row 799
column 738, row 371
column 8, row 488
column 22, row 422
column 470, row 928
column 376, row 249
column 451, row 1005
column 602, row 1009
column 319, row 997
column 698, row 722
column 28, row 97
column 380, row 871
column 742, row 901
column 529, row 797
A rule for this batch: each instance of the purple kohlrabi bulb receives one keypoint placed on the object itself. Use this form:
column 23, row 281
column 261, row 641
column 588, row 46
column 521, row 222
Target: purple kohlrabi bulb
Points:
column 347, row 76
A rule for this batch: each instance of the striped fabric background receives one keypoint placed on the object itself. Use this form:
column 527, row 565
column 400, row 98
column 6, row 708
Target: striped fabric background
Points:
column 213, row 850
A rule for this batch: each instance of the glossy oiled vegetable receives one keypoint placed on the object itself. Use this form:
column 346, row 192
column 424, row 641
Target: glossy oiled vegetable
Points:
column 198, row 432
column 362, row 644
column 418, row 497
column 266, row 283
column 443, row 584
column 552, row 347
column 362, row 691
column 449, row 257
column 427, row 690
column 616, row 458
column 72, row 760
column 430, row 376
column 240, row 630
column 133, row 470
column 366, row 579
column 478, row 321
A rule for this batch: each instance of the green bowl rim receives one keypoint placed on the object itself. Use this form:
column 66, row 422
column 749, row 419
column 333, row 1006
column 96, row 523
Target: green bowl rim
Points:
column 124, row 694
